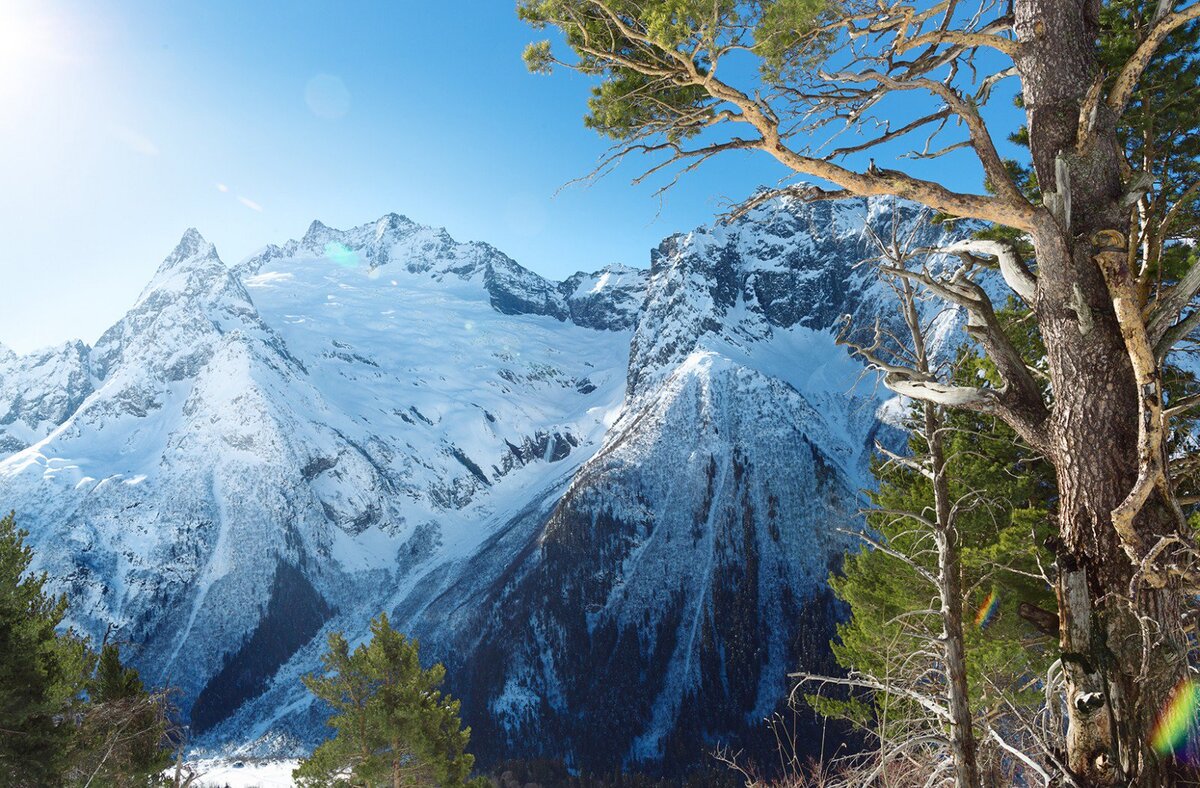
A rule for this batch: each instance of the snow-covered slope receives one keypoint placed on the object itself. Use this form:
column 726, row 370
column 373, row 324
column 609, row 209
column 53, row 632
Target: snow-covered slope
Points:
column 609, row 504
column 257, row 439
column 681, row 575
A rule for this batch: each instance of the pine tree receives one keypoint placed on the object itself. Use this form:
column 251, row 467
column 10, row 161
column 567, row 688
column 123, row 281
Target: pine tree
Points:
column 1000, row 533
column 42, row 673
column 1107, row 306
column 1007, row 571
column 1004, row 651
column 394, row 726
column 113, row 680
column 123, row 733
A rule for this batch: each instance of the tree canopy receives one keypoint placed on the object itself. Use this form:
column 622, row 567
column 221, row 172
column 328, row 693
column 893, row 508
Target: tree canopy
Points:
column 393, row 725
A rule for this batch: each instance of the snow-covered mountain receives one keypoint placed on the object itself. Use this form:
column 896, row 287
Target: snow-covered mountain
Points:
column 609, row 504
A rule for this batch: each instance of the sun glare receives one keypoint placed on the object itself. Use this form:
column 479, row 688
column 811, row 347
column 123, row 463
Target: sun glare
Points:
column 32, row 40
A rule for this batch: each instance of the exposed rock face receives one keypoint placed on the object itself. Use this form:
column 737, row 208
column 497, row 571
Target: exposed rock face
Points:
column 610, row 299
column 38, row 392
column 609, row 504
column 681, row 575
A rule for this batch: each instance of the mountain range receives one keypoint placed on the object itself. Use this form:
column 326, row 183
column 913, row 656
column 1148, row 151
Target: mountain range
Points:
column 608, row 504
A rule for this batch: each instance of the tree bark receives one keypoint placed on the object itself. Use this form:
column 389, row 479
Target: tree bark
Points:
column 963, row 747
column 962, row 736
column 1117, row 673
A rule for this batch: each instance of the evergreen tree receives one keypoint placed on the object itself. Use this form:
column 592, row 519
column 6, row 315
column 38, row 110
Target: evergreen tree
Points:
column 394, row 726
column 123, row 733
column 114, row 681
column 1003, row 538
column 42, row 673
column 1006, row 570
column 1000, row 536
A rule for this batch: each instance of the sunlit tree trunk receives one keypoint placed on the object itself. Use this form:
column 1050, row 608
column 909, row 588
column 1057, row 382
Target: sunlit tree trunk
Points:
column 1114, row 683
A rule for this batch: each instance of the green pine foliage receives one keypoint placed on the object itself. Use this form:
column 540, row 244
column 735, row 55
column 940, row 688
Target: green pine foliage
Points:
column 893, row 611
column 1160, row 125
column 67, row 715
column 113, row 680
column 628, row 104
column 42, row 673
column 393, row 725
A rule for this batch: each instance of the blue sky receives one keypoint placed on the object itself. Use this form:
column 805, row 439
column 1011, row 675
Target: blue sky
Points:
column 126, row 122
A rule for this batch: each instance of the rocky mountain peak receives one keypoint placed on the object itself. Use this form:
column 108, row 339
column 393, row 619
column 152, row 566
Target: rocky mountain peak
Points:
column 191, row 247
column 392, row 224
column 317, row 234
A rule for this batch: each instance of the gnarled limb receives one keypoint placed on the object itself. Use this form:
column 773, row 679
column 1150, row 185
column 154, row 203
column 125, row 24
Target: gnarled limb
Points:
column 1171, row 303
column 800, row 191
column 1175, row 333
column 1131, row 72
column 859, row 680
column 1019, row 402
column 1016, row 274
column 1153, row 470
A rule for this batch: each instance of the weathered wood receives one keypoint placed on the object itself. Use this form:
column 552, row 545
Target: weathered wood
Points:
column 1113, row 683
column 963, row 746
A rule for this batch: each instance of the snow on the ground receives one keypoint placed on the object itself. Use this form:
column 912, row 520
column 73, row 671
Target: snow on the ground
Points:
column 219, row 773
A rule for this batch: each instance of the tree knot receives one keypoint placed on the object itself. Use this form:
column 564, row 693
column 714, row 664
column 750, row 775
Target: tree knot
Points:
column 1087, row 703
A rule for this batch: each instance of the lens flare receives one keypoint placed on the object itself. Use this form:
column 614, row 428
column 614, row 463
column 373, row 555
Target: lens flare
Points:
column 341, row 254
column 1175, row 732
column 327, row 97
column 987, row 611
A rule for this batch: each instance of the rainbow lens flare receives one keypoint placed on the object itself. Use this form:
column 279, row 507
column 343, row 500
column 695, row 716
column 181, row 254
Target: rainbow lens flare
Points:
column 987, row 611
column 1175, row 732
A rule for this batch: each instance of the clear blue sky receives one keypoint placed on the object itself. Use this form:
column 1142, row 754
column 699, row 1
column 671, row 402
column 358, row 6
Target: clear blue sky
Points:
column 124, row 122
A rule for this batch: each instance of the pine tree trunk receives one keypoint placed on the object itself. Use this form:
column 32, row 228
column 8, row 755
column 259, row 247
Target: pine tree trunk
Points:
column 1114, row 690
column 1114, row 685
column 963, row 749
column 962, row 737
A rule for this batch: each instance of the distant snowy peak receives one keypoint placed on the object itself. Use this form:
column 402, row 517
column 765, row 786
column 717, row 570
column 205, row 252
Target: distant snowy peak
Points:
column 191, row 246
column 785, row 265
column 607, row 299
column 39, row 391
column 192, row 301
